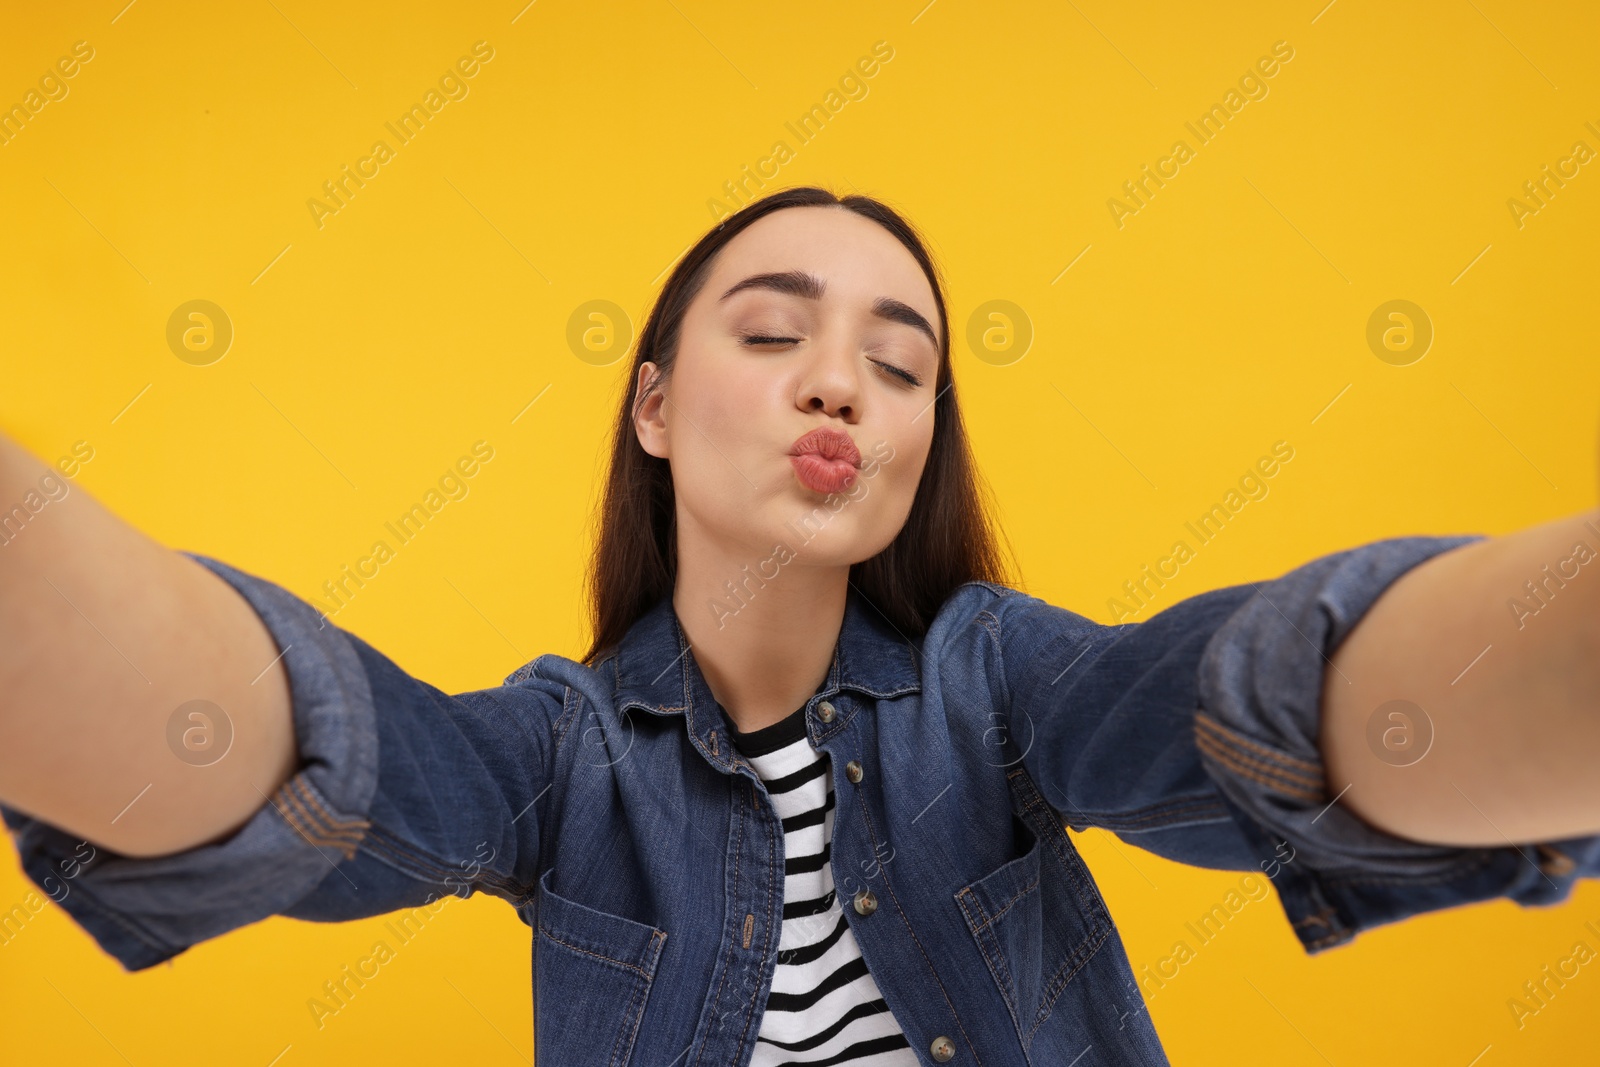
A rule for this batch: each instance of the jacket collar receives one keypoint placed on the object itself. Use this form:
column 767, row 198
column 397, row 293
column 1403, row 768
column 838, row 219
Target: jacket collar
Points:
column 657, row 672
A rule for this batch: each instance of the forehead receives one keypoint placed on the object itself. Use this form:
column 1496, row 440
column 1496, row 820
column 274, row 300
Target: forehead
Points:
column 858, row 259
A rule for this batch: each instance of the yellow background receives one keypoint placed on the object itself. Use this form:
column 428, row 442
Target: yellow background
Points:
column 428, row 313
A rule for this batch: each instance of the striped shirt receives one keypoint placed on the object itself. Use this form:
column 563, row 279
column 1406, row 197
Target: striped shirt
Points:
column 824, row 1007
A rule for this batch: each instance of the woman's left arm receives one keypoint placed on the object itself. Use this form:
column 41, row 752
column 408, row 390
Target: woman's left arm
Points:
column 1464, row 707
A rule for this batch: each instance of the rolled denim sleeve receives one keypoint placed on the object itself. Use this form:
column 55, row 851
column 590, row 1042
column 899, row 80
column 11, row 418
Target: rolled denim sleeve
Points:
column 1193, row 734
column 403, row 794
column 1260, row 684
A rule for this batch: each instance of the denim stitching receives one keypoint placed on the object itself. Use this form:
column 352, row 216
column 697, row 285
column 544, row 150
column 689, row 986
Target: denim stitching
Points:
column 1209, row 730
column 1063, row 977
column 1311, row 767
column 295, row 813
column 1006, row 697
column 628, row 1013
column 283, row 811
column 989, row 621
column 657, row 939
column 994, row 957
column 961, row 898
column 1276, row 787
column 1160, row 814
column 727, row 960
column 1222, row 736
column 426, row 867
column 766, row 939
column 1024, row 891
column 888, row 888
column 569, row 713
column 336, row 827
column 1248, row 768
column 309, row 793
column 635, row 968
column 1092, row 906
column 1051, row 831
column 621, row 1051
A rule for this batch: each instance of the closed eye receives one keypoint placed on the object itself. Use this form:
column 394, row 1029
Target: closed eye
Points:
column 901, row 374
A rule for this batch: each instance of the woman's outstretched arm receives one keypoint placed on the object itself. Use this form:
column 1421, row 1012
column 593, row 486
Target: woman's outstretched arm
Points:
column 104, row 634
column 1194, row 734
column 348, row 788
column 1464, row 707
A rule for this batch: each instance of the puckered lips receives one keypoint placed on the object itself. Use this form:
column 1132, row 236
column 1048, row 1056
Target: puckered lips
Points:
column 825, row 460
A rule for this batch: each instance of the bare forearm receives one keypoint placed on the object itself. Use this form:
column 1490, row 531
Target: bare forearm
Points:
column 1511, row 696
column 104, row 634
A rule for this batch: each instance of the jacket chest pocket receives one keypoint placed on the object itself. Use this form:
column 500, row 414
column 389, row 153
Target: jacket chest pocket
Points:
column 593, row 972
column 1038, row 918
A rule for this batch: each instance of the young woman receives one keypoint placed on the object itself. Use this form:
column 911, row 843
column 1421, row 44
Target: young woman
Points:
column 803, row 800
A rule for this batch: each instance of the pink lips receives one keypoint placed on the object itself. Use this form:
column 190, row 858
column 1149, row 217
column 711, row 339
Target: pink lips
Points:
column 825, row 460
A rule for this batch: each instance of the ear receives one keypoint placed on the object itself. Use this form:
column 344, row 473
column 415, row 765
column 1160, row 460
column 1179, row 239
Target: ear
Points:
column 650, row 422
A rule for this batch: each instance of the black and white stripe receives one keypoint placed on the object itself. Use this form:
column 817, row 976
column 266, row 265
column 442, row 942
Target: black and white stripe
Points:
column 824, row 1007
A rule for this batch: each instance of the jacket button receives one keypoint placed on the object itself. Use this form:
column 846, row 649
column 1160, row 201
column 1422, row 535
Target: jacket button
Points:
column 865, row 902
column 852, row 771
column 825, row 711
column 942, row 1049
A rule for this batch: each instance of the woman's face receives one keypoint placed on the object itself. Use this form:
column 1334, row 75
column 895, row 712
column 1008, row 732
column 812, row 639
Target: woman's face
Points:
column 766, row 357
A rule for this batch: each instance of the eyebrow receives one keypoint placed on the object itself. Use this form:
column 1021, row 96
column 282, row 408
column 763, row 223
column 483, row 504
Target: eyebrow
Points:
column 800, row 283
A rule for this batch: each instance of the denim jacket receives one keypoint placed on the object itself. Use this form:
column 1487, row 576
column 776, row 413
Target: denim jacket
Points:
column 606, row 805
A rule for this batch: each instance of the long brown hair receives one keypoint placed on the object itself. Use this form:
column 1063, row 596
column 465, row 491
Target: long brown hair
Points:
column 948, row 538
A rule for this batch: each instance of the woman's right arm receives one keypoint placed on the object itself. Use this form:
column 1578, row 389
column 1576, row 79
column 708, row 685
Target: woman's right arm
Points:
column 348, row 788
column 104, row 635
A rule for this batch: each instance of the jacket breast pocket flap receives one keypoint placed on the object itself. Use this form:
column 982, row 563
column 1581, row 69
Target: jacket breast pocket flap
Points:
column 593, row 972
column 1037, row 918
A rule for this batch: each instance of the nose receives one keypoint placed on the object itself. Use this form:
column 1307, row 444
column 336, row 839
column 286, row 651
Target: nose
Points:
column 831, row 380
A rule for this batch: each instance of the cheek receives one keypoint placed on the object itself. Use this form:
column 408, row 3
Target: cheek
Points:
column 900, row 475
column 721, row 457
column 729, row 399
column 892, row 488
column 902, row 455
